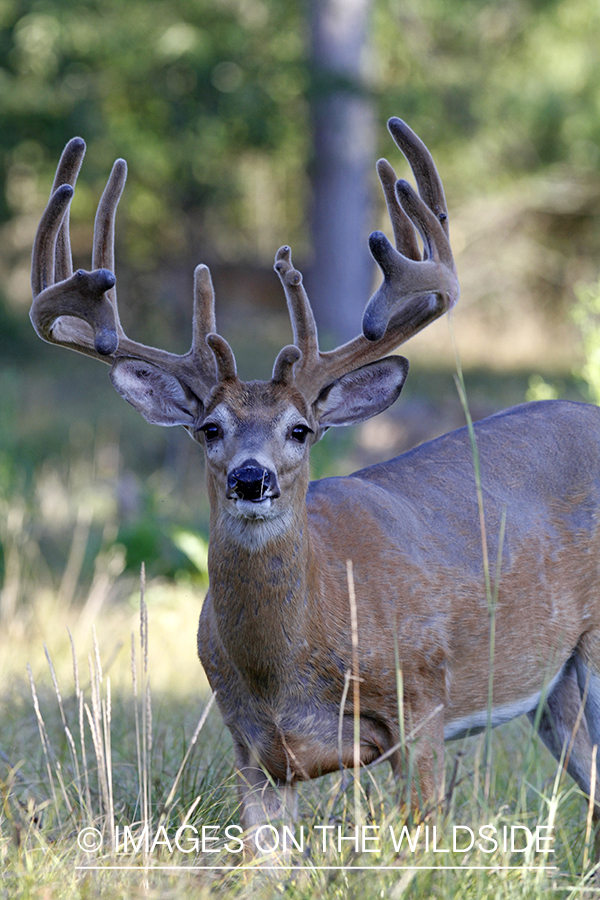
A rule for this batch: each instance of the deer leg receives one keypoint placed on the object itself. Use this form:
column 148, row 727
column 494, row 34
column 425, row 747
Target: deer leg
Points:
column 562, row 727
column 587, row 664
column 425, row 764
column 263, row 799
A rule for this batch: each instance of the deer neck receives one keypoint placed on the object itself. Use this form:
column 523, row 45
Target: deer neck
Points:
column 260, row 592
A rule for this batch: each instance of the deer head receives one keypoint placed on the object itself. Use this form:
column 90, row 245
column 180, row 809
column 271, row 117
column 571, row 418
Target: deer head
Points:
column 256, row 435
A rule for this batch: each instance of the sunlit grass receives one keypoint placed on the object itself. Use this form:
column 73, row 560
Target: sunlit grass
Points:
column 118, row 751
column 54, row 789
column 98, row 738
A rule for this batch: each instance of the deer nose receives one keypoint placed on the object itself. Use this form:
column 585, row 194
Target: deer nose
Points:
column 253, row 482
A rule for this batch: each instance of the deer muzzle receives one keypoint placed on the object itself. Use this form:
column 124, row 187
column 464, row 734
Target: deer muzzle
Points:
column 252, row 482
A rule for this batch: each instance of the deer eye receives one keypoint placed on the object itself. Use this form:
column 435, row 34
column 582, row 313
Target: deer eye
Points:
column 300, row 432
column 212, row 431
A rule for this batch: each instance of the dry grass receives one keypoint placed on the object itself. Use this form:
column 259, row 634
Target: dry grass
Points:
column 103, row 707
column 108, row 736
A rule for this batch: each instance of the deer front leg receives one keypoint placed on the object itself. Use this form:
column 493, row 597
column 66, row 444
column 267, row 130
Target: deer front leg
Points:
column 420, row 763
column 263, row 799
column 427, row 787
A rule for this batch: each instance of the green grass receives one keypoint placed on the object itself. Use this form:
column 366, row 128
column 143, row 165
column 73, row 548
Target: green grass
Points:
column 112, row 745
column 118, row 749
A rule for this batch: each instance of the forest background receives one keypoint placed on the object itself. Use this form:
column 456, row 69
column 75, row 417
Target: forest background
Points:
column 247, row 124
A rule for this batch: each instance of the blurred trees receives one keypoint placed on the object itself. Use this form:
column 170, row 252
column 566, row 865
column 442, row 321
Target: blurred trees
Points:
column 343, row 127
column 209, row 104
column 204, row 100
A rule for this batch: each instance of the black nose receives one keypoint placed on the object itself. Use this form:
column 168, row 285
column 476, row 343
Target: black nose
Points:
column 252, row 481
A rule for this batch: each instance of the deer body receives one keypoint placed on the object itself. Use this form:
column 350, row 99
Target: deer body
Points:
column 275, row 633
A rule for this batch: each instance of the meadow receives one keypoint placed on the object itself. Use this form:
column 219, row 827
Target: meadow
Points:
column 116, row 770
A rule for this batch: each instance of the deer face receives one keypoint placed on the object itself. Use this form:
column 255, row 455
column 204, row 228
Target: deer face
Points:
column 257, row 435
column 256, row 438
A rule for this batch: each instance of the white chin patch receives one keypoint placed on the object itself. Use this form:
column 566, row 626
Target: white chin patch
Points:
column 253, row 510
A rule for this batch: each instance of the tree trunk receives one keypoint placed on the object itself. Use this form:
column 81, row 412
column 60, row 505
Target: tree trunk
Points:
column 340, row 279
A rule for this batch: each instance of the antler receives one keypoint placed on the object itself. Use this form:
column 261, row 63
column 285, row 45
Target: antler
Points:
column 415, row 290
column 79, row 309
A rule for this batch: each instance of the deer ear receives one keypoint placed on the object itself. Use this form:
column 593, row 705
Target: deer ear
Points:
column 363, row 393
column 160, row 397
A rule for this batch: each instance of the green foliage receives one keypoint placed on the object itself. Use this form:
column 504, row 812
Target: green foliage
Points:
column 586, row 315
column 502, row 87
column 195, row 548
column 539, row 389
column 193, row 94
column 209, row 104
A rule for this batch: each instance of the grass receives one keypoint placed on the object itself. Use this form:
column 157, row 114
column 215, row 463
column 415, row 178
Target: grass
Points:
column 103, row 705
column 108, row 747
column 106, row 725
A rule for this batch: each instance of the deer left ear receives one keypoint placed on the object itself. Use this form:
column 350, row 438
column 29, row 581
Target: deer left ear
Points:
column 160, row 397
column 363, row 393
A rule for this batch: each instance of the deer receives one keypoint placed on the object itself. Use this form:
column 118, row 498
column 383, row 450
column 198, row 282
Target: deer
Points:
column 275, row 635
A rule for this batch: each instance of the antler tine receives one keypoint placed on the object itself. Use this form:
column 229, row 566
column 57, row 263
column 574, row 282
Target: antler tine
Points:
column 223, row 356
column 69, row 163
column 204, row 320
column 44, row 246
column 423, row 168
column 404, row 232
column 283, row 368
column 51, row 260
column 103, row 250
column 303, row 321
column 66, row 173
column 414, row 291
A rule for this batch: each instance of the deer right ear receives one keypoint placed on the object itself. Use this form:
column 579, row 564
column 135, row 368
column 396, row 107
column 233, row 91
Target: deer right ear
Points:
column 363, row 393
column 160, row 397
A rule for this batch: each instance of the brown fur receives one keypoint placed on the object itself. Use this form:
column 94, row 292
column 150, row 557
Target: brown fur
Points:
column 275, row 635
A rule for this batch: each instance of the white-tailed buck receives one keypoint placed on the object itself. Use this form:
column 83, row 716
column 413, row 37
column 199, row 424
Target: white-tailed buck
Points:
column 275, row 634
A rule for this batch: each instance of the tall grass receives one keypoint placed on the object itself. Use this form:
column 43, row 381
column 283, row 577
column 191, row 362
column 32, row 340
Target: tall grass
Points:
column 110, row 747
column 97, row 743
